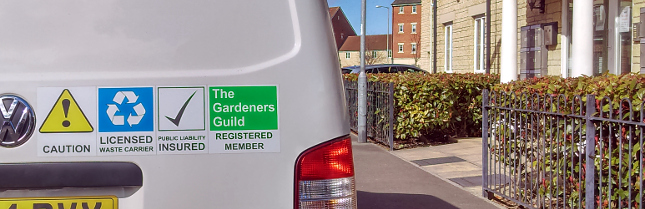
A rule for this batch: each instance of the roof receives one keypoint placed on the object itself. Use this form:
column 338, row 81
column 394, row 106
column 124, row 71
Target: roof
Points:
column 333, row 10
column 406, row 2
column 372, row 42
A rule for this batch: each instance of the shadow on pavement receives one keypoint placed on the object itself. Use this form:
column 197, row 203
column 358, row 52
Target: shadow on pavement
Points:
column 396, row 200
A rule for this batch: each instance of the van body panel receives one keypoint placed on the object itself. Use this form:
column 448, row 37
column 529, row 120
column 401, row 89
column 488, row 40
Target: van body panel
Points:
column 286, row 43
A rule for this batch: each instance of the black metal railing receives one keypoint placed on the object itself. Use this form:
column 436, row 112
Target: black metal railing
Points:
column 550, row 151
column 380, row 110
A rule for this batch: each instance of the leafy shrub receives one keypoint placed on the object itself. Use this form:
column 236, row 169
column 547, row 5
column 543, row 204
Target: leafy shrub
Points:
column 615, row 87
column 436, row 104
column 556, row 157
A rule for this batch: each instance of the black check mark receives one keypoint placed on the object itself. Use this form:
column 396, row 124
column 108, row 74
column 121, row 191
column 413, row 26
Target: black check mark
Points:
column 181, row 111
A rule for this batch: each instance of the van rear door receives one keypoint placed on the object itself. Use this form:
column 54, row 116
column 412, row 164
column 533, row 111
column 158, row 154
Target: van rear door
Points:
column 169, row 104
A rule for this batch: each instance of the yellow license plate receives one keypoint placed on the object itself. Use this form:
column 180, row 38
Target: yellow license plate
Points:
column 102, row 202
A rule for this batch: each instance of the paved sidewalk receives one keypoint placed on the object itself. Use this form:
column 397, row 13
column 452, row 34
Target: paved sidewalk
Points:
column 459, row 163
column 384, row 180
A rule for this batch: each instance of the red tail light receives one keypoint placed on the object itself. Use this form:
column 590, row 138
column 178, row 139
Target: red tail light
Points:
column 325, row 176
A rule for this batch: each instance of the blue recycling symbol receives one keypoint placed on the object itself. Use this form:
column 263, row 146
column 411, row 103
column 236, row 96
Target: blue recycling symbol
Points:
column 119, row 98
column 126, row 109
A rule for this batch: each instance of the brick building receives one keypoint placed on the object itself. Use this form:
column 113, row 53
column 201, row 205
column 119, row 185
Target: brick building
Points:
column 542, row 37
column 340, row 25
column 406, row 31
column 375, row 50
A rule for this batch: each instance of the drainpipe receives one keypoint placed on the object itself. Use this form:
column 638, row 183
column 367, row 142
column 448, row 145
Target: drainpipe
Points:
column 434, row 36
column 487, row 28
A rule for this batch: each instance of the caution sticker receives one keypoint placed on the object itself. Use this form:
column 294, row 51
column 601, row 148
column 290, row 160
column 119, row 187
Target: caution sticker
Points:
column 69, row 119
column 66, row 116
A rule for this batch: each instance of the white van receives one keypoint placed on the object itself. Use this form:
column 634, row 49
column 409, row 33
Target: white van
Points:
column 172, row 104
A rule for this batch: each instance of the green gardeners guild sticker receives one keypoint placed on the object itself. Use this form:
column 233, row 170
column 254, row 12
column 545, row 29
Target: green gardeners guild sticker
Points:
column 243, row 119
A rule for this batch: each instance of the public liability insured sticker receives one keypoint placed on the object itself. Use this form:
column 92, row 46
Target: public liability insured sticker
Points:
column 68, row 128
column 182, row 120
column 243, row 119
column 126, row 121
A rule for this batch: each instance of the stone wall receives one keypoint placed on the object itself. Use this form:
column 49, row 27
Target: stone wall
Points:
column 461, row 14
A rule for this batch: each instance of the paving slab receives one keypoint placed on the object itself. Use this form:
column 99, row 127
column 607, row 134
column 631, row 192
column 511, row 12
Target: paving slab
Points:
column 413, row 154
column 384, row 180
column 455, row 174
column 475, row 159
column 474, row 190
column 452, row 167
column 438, row 160
column 466, row 150
column 470, row 181
column 456, row 161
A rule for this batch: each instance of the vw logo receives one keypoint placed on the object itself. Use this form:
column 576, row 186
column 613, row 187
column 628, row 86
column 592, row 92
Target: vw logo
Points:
column 18, row 121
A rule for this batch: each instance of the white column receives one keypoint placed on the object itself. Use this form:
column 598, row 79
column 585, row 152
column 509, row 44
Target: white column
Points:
column 564, row 40
column 582, row 38
column 508, row 71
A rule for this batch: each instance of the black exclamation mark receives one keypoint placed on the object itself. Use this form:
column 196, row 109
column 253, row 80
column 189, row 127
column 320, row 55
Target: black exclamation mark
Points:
column 65, row 110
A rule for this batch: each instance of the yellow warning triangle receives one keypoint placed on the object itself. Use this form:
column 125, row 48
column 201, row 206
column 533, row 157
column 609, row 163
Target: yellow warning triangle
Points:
column 66, row 117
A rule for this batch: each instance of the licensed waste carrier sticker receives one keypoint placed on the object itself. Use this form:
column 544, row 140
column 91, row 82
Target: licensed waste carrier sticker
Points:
column 68, row 128
column 126, row 121
column 243, row 119
column 182, row 120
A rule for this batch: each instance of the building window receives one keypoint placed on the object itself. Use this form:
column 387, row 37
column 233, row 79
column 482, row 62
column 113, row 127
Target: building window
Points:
column 400, row 27
column 448, row 44
column 389, row 53
column 374, row 54
column 347, row 55
column 414, row 9
column 401, row 10
column 478, row 57
column 414, row 28
column 342, row 36
column 400, row 47
column 414, row 48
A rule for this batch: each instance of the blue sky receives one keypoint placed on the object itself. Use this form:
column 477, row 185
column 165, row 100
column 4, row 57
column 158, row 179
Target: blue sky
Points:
column 376, row 22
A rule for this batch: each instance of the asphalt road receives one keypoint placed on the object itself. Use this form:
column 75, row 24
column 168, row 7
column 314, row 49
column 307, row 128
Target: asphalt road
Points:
column 386, row 181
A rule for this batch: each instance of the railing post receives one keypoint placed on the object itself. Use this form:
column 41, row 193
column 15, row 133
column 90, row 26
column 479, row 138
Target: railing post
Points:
column 590, row 179
column 369, row 108
column 390, row 104
column 485, row 143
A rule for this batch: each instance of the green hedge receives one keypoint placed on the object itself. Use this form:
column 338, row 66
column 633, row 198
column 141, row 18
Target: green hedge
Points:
column 432, row 106
column 616, row 87
column 613, row 157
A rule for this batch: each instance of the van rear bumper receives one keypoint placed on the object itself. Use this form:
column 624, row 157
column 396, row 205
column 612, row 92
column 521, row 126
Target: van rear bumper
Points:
column 34, row 176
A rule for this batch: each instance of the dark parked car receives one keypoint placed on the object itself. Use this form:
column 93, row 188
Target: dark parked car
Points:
column 383, row 68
